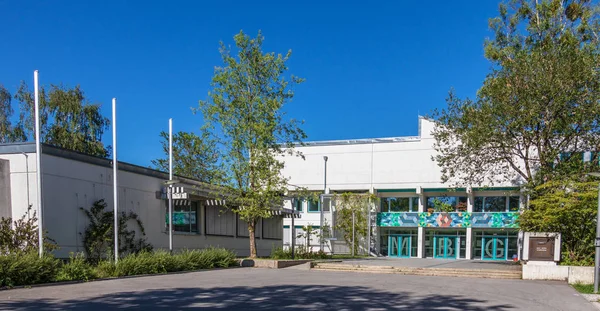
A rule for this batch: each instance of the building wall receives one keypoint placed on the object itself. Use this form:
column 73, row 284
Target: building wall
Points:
column 394, row 167
column 69, row 185
column 22, row 172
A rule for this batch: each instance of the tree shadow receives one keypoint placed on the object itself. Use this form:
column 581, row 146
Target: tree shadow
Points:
column 288, row 297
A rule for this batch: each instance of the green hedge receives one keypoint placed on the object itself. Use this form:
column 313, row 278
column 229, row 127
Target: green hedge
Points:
column 28, row 268
column 301, row 253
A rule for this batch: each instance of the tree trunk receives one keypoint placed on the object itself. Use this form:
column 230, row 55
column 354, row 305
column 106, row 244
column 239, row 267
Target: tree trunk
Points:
column 252, row 237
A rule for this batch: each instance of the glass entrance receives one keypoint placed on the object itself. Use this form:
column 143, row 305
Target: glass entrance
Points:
column 445, row 246
column 399, row 246
column 494, row 248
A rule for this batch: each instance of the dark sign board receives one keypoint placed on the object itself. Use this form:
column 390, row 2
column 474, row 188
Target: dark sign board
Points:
column 541, row 248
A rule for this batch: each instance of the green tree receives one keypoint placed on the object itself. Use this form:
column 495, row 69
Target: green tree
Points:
column 193, row 157
column 568, row 207
column 67, row 119
column 98, row 237
column 538, row 103
column 244, row 115
column 6, row 111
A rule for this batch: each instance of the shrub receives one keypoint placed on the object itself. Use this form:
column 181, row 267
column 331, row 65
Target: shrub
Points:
column 163, row 262
column 77, row 268
column 27, row 268
column 105, row 269
column 21, row 235
column 301, row 253
column 98, row 237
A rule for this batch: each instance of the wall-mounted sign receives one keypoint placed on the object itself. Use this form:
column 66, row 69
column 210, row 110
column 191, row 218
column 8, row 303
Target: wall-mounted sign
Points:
column 541, row 248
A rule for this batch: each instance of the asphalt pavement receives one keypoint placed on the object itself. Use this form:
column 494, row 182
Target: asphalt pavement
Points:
column 293, row 289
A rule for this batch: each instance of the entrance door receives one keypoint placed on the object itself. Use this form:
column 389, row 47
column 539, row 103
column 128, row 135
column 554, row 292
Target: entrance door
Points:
column 444, row 247
column 494, row 248
column 399, row 246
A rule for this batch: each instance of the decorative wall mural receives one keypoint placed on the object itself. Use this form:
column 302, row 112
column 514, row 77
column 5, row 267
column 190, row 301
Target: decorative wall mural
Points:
column 495, row 220
column 445, row 220
column 398, row 219
column 448, row 220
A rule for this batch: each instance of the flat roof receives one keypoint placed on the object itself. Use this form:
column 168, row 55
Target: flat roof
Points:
column 359, row 141
column 29, row 147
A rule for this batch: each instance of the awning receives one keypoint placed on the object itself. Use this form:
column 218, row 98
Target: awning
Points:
column 285, row 212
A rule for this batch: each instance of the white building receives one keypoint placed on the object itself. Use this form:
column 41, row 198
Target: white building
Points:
column 71, row 181
column 413, row 217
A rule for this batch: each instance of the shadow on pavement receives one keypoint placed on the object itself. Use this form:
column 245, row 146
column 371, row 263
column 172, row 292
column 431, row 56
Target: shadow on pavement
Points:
column 290, row 297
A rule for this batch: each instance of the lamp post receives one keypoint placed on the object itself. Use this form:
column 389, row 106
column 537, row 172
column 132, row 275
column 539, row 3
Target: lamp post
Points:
column 322, row 205
column 597, row 241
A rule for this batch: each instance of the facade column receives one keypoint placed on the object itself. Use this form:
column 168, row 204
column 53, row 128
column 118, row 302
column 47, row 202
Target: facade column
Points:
column 373, row 231
column 468, row 253
column 421, row 230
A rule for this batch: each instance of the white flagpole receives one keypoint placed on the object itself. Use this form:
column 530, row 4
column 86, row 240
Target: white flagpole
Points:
column 115, row 166
column 38, row 160
column 170, row 185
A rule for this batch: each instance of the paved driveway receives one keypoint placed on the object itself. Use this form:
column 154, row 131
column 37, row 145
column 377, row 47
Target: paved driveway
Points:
column 292, row 289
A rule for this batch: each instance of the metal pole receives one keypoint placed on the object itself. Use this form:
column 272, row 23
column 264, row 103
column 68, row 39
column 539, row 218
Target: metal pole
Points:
column 293, row 231
column 115, row 168
column 369, row 229
column 353, row 233
column 322, row 203
column 38, row 160
column 171, row 185
column 597, row 263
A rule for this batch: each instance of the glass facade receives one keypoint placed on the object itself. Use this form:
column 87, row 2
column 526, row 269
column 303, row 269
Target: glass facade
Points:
column 495, row 245
column 399, row 204
column 398, row 243
column 491, row 204
column 314, row 206
column 185, row 218
column 446, row 204
column 445, row 244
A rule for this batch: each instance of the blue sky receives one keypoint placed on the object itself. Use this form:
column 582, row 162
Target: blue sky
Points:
column 370, row 67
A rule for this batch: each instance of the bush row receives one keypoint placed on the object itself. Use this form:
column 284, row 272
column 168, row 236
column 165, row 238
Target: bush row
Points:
column 29, row 268
column 301, row 253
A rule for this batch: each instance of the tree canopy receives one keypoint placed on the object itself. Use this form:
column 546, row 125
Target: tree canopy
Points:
column 193, row 157
column 539, row 104
column 243, row 114
column 67, row 119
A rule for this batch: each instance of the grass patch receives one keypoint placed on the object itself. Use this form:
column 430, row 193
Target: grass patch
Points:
column 584, row 288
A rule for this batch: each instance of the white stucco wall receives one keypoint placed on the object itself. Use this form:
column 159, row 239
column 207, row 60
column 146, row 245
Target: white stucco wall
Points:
column 69, row 185
column 370, row 165
column 403, row 162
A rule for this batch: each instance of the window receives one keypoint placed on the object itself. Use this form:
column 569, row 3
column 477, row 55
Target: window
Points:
column 242, row 228
column 271, row 228
column 414, row 204
column 398, row 205
column 185, row 218
column 478, row 205
column 513, row 204
column 298, row 204
column 314, row 205
column 446, row 204
column 496, row 204
column 219, row 221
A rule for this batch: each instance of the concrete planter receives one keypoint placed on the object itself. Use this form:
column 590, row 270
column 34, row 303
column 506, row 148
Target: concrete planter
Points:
column 571, row 274
column 271, row 263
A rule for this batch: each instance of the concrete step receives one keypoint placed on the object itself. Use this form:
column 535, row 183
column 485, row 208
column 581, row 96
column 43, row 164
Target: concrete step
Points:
column 475, row 273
